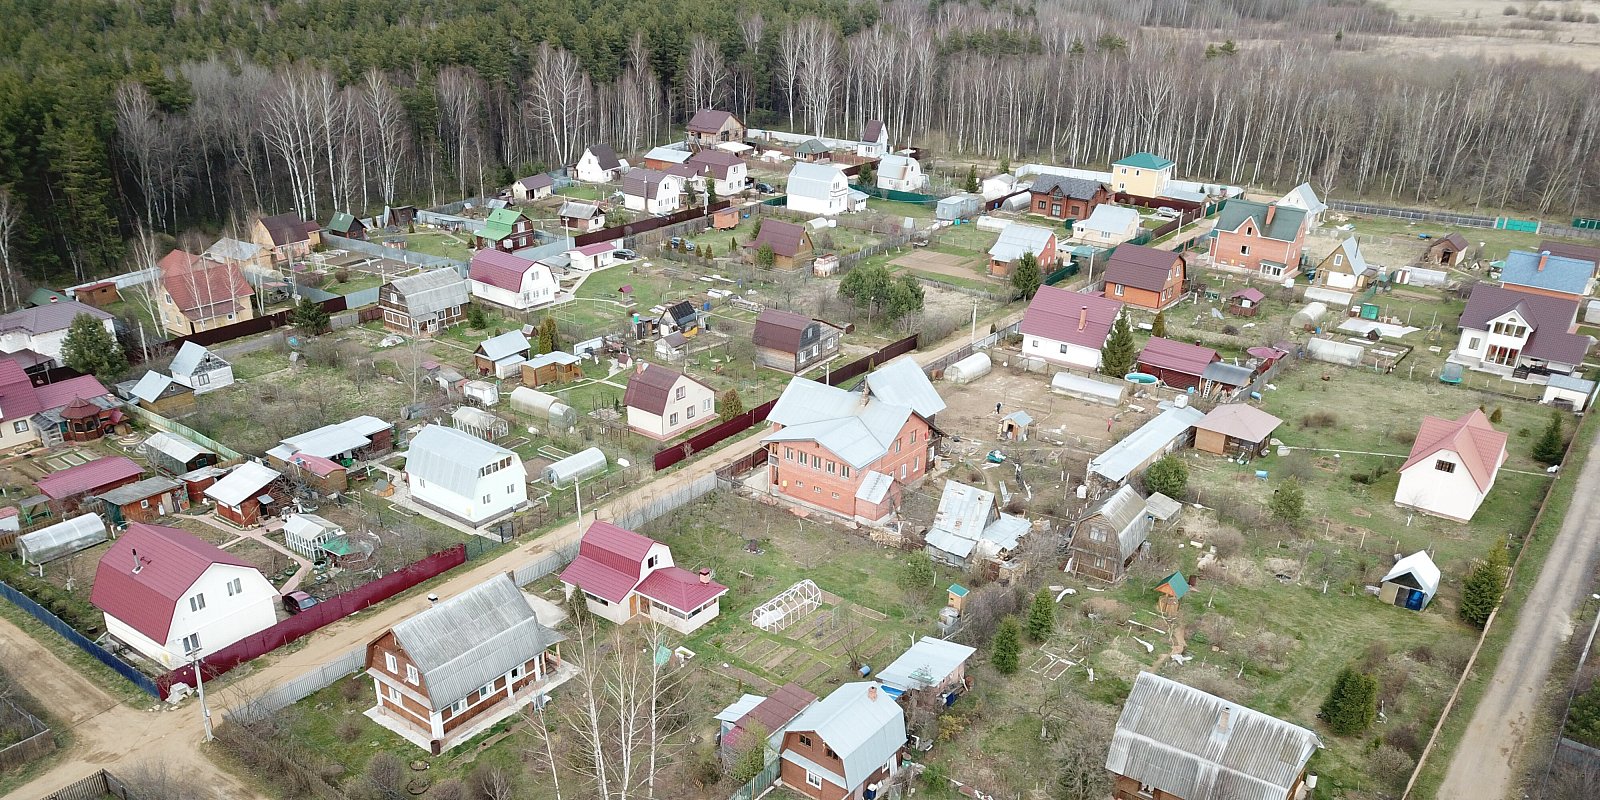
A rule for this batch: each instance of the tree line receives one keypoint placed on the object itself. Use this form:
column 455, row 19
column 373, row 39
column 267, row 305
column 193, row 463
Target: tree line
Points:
column 119, row 118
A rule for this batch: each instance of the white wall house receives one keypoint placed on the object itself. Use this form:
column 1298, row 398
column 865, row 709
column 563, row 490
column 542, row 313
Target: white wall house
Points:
column 166, row 593
column 42, row 329
column 200, row 369
column 1107, row 225
column 874, row 140
column 1305, row 198
column 1452, row 466
column 1067, row 329
column 900, row 173
column 623, row 575
column 599, row 164
column 1502, row 329
column 511, row 281
column 818, row 189
column 728, row 173
column 652, row 192
column 663, row 403
column 464, row 477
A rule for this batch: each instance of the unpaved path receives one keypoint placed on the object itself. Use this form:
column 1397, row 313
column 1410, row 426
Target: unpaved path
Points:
column 1486, row 761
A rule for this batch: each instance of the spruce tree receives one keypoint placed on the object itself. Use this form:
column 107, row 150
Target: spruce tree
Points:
column 1481, row 591
column 1119, row 355
column 1549, row 448
column 91, row 349
column 1041, row 616
column 1025, row 276
column 549, row 336
column 1159, row 326
column 972, row 184
column 1168, row 476
column 1006, row 648
column 1352, row 703
column 309, row 316
column 729, row 405
column 1288, row 502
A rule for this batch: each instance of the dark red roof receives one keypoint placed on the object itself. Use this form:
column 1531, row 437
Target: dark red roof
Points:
column 1188, row 359
column 718, row 161
column 1582, row 252
column 170, row 561
column 498, row 268
column 1551, row 318
column 1141, row 267
column 608, row 562
column 74, row 481
column 778, row 710
column 18, row 397
column 80, row 409
column 780, row 330
column 680, row 589
column 709, row 120
column 785, row 238
column 203, row 289
column 1056, row 313
column 650, row 388
column 287, row 229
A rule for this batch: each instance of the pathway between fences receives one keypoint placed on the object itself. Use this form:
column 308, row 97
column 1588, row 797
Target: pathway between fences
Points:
column 80, row 641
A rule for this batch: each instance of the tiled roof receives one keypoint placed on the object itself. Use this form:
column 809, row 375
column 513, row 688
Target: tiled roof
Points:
column 169, row 562
column 1075, row 188
column 1072, row 317
column 872, row 131
column 1482, row 449
column 717, row 161
column 88, row 477
column 203, row 289
column 680, row 589
column 1144, row 160
column 1140, row 267
column 610, row 559
column 1582, row 252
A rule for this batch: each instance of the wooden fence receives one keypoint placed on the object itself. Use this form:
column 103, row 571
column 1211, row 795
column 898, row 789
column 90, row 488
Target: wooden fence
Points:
column 98, row 786
column 34, row 746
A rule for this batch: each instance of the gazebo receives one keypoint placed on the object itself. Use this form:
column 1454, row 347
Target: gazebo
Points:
column 86, row 421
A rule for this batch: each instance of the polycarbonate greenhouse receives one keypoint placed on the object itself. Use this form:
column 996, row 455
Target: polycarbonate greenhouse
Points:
column 576, row 467
column 62, row 539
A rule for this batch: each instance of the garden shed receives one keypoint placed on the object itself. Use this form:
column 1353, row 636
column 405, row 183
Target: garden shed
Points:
column 61, row 539
column 546, row 406
column 1411, row 583
column 969, row 369
column 1568, row 391
column 1235, row 429
column 175, row 454
column 479, row 423
column 1014, row 426
column 576, row 467
column 958, row 206
column 481, row 392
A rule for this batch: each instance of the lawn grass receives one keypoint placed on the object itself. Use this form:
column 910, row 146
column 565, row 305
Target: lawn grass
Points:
column 358, row 282
column 439, row 243
column 1497, row 243
column 896, row 208
column 586, row 191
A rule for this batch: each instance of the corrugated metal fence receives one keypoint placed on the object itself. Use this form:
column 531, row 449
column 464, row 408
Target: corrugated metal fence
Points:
column 663, row 502
column 408, row 257
column 290, row 692
column 78, row 640
column 159, row 422
column 534, row 570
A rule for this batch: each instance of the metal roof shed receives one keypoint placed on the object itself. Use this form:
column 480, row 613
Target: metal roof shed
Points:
column 929, row 662
column 61, row 539
column 1145, row 444
column 576, row 467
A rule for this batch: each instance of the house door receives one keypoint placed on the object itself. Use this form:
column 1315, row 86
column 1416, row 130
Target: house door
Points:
column 633, row 605
column 1414, row 602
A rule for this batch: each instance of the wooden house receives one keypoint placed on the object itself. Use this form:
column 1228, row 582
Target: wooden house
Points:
column 425, row 304
column 710, row 127
column 99, row 295
column 323, row 475
column 790, row 243
column 348, row 225
column 70, row 488
column 163, row 395
column 551, row 368
column 1447, row 251
column 1345, row 268
column 1179, row 365
column 200, row 369
column 1246, row 302
column 247, row 493
column 174, row 454
column 846, row 745
column 1235, row 429
column 507, row 230
column 1107, row 539
column 793, row 343
column 503, row 355
column 144, row 501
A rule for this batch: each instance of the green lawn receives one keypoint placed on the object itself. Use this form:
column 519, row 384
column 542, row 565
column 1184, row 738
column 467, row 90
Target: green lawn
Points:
column 587, row 191
column 440, row 243
column 1497, row 243
column 358, row 281
column 896, row 208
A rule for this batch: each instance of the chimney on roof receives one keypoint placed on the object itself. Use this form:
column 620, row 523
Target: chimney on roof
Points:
column 1223, row 720
column 705, row 575
column 872, row 693
column 1544, row 258
column 1272, row 208
column 136, row 565
column 1083, row 317
column 640, row 365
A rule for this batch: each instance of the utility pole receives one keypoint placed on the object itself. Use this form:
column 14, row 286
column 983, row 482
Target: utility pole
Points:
column 200, row 686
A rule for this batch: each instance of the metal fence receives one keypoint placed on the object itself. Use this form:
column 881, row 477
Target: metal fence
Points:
column 936, row 367
column 406, row 257
column 296, row 689
column 760, row 783
column 649, row 224
column 550, row 562
column 159, row 422
column 356, row 299
column 78, row 640
column 664, row 502
column 98, row 786
column 39, row 743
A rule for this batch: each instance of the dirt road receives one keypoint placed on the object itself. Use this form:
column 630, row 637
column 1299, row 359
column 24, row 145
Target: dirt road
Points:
column 1486, row 761
column 107, row 734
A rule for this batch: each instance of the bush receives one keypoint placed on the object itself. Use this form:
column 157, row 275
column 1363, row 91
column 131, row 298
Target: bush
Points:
column 936, row 776
column 1583, row 721
column 348, row 730
column 1168, row 476
column 1319, row 419
column 341, row 275
column 477, row 318
column 1392, row 766
column 353, row 690
column 1227, row 541
column 1352, row 703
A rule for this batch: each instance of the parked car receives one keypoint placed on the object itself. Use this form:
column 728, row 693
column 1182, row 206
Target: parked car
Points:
column 765, row 188
column 298, row 601
column 624, row 254
column 675, row 241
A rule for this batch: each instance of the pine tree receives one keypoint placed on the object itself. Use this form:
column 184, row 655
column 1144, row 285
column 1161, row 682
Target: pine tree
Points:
column 756, row 231
column 972, row 184
column 1025, row 277
column 549, row 336
column 310, row 317
column 1481, row 591
column 1288, row 502
column 1118, row 357
column 867, row 175
column 91, row 349
column 729, row 405
column 765, row 257
column 1159, row 326
column 1352, row 703
column 1168, row 476
column 1041, row 616
column 1006, row 648
column 1550, row 448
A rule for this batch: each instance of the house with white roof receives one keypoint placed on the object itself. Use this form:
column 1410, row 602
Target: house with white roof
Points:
column 503, row 355
column 624, row 575
column 1170, row 430
column 511, row 281
column 852, row 453
column 362, row 438
column 458, row 668
column 1107, row 226
column 1305, row 198
column 307, row 533
column 931, row 664
column 1452, row 466
column 900, row 173
column 665, row 156
column 464, row 477
column 820, row 189
column 1411, row 583
column 247, row 492
column 1018, row 239
column 200, row 369
column 969, row 528
column 1109, row 536
column 166, row 594
column 846, row 745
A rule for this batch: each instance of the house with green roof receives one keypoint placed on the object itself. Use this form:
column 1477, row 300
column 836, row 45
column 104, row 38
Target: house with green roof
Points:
column 1263, row 238
column 506, row 230
column 1142, row 175
column 345, row 224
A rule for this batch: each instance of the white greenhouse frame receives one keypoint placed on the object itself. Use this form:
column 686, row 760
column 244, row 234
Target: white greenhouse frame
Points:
column 788, row 607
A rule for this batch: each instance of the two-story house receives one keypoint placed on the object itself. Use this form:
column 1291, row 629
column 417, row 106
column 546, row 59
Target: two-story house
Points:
column 874, row 140
column 1067, row 329
column 900, row 173
column 1262, row 238
column 1345, row 267
column 454, row 670
column 790, row 243
column 1175, row 742
column 624, row 575
column 1145, row 276
column 819, row 189
column 426, row 303
column 1018, row 239
column 169, row 595
column 651, row 191
column 1142, row 175
column 200, row 369
column 852, row 453
column 287, row 236
column 846, row 746
column 664, row 403
column 464, row 477
column 1547, row 274
column 728, row 173
column 1108, row 226
column 1515, row 333
column 793, row 343
column 35, row 335
column 198, row 294
column 1063, row 197
column 1109, row 536
column 507, row 230
column 710, row 127
column 511, row 281
column 1452, row 466
column 598, row 164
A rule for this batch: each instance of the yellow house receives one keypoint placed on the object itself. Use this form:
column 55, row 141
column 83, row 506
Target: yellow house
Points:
column 199, row 294
column 1142, row 175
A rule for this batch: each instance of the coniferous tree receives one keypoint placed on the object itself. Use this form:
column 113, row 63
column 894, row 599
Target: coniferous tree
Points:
column 1025, row 276
column 1119, row 355
column 91, row 349
column 1550, row 447
column 1159, row 326
column 1041, row 616
column 1483, row 587
column 1352, row 703
column 1006, row 648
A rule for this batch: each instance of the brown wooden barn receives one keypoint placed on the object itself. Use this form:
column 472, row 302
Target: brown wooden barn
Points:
column 144, row 501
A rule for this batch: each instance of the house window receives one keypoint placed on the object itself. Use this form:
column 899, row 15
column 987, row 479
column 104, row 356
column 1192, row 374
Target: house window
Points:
column 394, row 694
column 411, row 674
column 146, row 504
column 897, row 445
column 202, row 379
column 197, row 602
column 916, row 464
column 680, row 393
column 1118, row 290
column 390, row 663
column 1444, row 466
column 235, row 586
column 1063, row 349
column 1097, row 535
column 805, row 740
column 836, row 495
column 672, row 420
column 516, row 672
column 902, row 472
column 844, row 471
column 706, row 404
column 485, row 690
column 1338, row 259
column 20, row 426
column 688, row 413
column 799, row 484
column 650, row 563
column 805, row 458
column 830, row 467
column 458, row 706
column 1472, row 344
column 813, row 780
column 831, row 754
column 1244, row 249
column 191, row 643
column 1035, row 344
column 788, row 454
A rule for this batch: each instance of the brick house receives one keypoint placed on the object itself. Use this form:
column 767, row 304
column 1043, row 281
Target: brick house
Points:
column 1144, row 276
column 1062, row 197
column 852, row 453
column 1263, row 238
column 459, row 667
column 846, row 745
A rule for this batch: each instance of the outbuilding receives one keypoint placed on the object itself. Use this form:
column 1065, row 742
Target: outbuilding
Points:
column 144, row 501
column 1568, row 391
column 553, row 368
column 1411, row 583
column 1235, row 429
column 61, row 539
column 1177, row 364
column 248, row 492
column 503, row 355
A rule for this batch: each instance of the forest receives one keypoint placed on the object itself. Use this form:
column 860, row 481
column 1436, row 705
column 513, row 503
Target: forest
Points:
column 120, row 119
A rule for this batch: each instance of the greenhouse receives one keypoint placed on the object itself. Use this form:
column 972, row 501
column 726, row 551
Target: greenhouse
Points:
column 61, row 539
column 545, row 406
column 576, row 467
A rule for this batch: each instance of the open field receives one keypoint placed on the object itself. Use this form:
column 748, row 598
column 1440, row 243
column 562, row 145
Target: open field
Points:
column 1398, row 244
column 1488, row 32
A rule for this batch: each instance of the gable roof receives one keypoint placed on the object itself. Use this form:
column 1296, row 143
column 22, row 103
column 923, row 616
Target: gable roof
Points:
column 897, row 167
column 174, row 446
column 1354, row 261
column 573, row 209
column 169, row 562
column 344, row 222
column 1581, row 252
column 505, row 345
column 903, row 383
column 1198, row 746
column 202, row 288
column 88, row 476
column 286, row 229
column 1116, row 463
column 967, row 516
column 1419, row 566
column 153, row 386
column 642, row 182
column 610, row 560
column 605, row 156
column 927, row 663
column 229, row 249
column 61, row 393
column 718, row 162
column 1139, row 266
column 1228, row 374
column 473, row 638
column 815, row 181
column 48, row 318
column 649, row 389
column 536, row 182
column 678, row 588
column 332, row 439
column 1286, row 221
column 1072, row 317
column 780, row 330
column 1550, row 317
column 872, row 131
column 1240, row 421
column 248, row 479
column 785, row 238
column 1110, row 219
column 1481, row 448
column 1128, row 514
column 1188, row 359
column 709, row 120
column 451, row 458
column 859, row 433
column 139, row 490
column 502, row 222
column 1304, row 197
column 1143, row 160
column 675, row 155
column 1067, row 186
column 864, row 731
column 1019, row 238
column 189, row 358
column 779, row 709
column 1550, row 272
column 432, row 291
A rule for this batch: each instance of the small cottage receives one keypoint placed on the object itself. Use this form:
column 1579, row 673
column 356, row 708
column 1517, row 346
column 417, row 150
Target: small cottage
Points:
column 582, row 217
column 1179, row 365
column 503, row 355
column 1235, row 429
column 1447, row 251
column 847, row 745
column 174, row 454
column 624, row 575
column 1106, row 540
column 200, row 369
column 793, row 343
column 322, row 475
column 551, row 368
column 1145, row 277
column 1345, row 268
column 1063, row 197
column 424, row 304
column 348, row 226
column 506, row 229
column 969, row 528
column 249, row 492
column 144, row 501
column 1018, row 239
column 790, row 244
column 1245, row 302
column 1452, row 466
column 664, row 403
column 464, row 477
column 163, row 395
column 598, row 164
column 70, row 488
column 931, row 664
column 711, row 127
column 533, row 187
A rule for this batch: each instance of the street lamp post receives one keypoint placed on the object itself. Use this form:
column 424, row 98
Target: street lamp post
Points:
column 200, row 687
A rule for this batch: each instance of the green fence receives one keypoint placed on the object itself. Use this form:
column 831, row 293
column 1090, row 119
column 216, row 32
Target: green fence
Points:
column 159, row 422
column 1586, row 223
column 779, row 202
column 901, row 197
column 1509, row 224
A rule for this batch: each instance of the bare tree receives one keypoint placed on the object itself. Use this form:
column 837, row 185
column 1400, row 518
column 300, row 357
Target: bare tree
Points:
column 10, row 216
column 461, row 94
column 705, row 78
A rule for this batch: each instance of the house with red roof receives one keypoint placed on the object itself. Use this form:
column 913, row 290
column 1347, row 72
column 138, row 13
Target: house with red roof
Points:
column 167, row 593
column 1452, row 466
column 1067, row 329
column 199, row 294
column 1177, row 364
column 624, row 575
column 1145, row 276
column 79, row 409
column 69, row 488
column 511, row 281
column 663, row 403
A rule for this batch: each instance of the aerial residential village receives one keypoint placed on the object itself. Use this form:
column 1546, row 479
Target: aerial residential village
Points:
column 820, row 467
